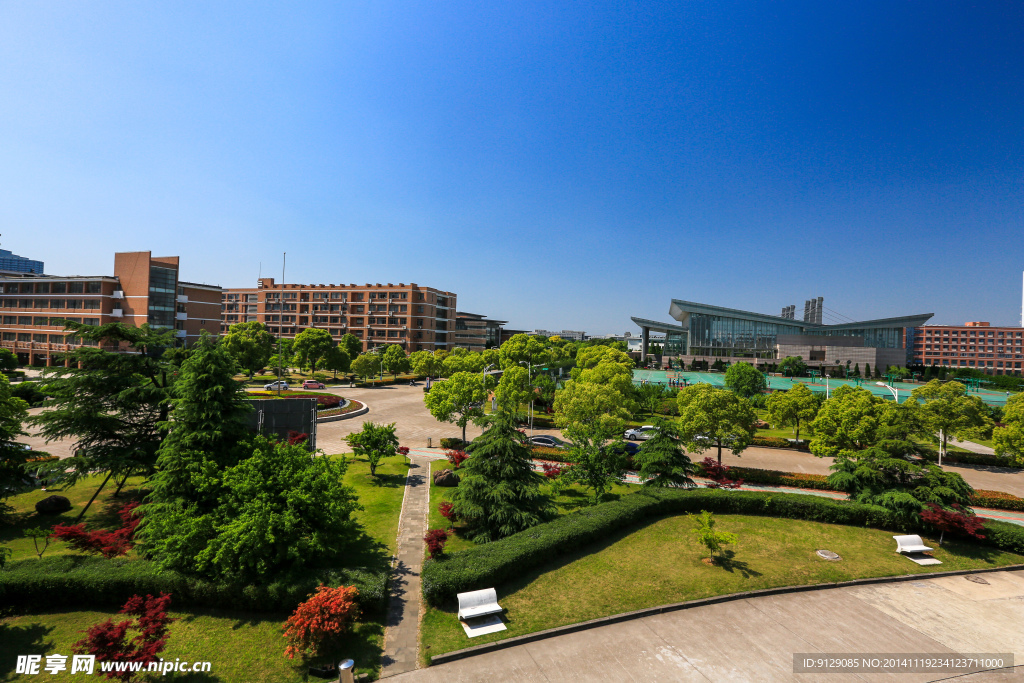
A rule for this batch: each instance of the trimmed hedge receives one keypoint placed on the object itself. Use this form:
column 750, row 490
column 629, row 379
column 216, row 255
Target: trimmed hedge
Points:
column 454, row 444
column 998, row 500
column 779, row 442
column 79, row 581
column 751, row 475
column 495, row 563
column 932, row 455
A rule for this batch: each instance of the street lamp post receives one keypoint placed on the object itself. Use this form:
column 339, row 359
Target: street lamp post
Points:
column 529, row 378
column 483, row 376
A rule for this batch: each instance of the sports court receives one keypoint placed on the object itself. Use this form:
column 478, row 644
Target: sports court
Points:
column 664, row 377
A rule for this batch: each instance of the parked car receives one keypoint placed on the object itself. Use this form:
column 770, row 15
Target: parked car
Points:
column 312, row 384
column 274, row 386
column 548, row 441
column 640, row 433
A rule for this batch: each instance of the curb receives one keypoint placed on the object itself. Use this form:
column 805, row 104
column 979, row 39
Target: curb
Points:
column 345, row 416
column 675, row 607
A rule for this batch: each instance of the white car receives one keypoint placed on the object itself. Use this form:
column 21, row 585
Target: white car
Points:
column 641, row 433
column 274, row 386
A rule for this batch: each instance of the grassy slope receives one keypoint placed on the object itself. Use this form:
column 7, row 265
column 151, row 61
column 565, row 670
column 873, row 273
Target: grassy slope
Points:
column 242, row 646
column 623, row 574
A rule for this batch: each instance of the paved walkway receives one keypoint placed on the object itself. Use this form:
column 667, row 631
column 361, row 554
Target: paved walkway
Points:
column 401, row 639
column 973, row 447
column 755, row 639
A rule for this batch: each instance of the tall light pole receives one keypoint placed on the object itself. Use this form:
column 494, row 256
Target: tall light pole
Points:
column 895, row 392
column 529, row 378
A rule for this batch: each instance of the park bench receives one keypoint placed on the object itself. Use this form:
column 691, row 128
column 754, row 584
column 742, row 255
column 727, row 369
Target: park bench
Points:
column 478, row 603
column 911, row 544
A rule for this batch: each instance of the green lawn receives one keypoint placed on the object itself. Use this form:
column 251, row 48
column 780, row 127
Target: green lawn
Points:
column 661, row 562
column 242, row 646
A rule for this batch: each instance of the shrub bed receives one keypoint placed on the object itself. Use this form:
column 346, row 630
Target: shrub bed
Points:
column 77, row 581
column 454, row 444
column 494, row 563
column 932, row 455
column 751, row 475
column 997, row 500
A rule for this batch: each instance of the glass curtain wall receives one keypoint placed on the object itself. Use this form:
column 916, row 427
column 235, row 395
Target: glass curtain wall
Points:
column 714, row 335
column 163, row 288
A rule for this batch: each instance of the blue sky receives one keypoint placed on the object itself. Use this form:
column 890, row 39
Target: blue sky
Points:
column 554, row 164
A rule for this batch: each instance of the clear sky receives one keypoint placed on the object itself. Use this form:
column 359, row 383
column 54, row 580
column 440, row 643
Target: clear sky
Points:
column 554, row 164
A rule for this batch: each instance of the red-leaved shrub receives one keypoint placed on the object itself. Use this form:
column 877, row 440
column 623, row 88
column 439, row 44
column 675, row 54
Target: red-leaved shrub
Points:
column 295, row 437
column 110, row 642
column 318, row 622
column 456, row 458
column 447, row 510
column 955, row 521
column 719, row 475
column 403, row 450
column 102, row 541
column 552, row 471
column 436, row 538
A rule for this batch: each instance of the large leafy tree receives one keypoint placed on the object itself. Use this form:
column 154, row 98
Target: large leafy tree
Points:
column 650, row 396
column 793, row 408
column 1009, row 439
column 274, row 511
column 13, row 457
column 8, row 361
column 591, row 415
column 662, row 460
column 711, row 417
column 883, row 475
column 426, row 363
column 366, row 365
column 250, row 344
column 521, row 348
column 950, row 413
column 846, row 423
column 745, row 379
column 395, row 360
column 352, row 344
column 458, row 399
column 337, row 360
column 793, row 366
column 312, row 346
column 374, row 442
column 499, row 493
column 110, row 404
column 593, row 356
column 513, row 389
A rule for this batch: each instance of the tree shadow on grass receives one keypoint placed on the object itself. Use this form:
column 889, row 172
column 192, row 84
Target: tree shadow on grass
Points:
column 21, row 640
column 727, row 561
column 578, row 500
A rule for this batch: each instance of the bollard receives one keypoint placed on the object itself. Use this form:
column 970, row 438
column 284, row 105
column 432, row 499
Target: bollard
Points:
column 430, row 442
column 346, row 671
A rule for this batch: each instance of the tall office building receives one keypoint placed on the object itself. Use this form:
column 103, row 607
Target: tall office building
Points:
column 12, row 263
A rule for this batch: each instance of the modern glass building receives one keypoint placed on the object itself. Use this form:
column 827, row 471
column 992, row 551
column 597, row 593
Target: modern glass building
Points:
column 705, row 330
column 12, row 263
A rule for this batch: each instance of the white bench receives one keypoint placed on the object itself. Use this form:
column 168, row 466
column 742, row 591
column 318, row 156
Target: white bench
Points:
column 911, row 544
column 478, row 603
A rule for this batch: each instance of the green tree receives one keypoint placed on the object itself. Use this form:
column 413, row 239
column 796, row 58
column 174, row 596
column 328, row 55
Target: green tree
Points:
column 709, row 537
column 395, row 360
column 250, row 344
column 513, row 389
column 426, row 364
column 366, row 365
column 794, row 407
column 337, row 360
column 846, row 423
column 650, row 396
column 591, row 414
column 951, row 413
column 715, row 417
column 352, row 344
column 745, row 380
column 273, row 512
column 8, row 361
column 592, row 356
column 109, row 404
column 374, row 442
column 521, row 348
column 885, row 477
column 499, row 493
column 13, row 412
column 856, row 369
column 458, row 399
column 1009, row 439
column 312, row 346
column 793, row 366
column 662, row 460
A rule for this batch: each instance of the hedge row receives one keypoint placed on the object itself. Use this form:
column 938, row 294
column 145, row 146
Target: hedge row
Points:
column 751, row 475
column 494, row 563
column 78, row 581
column 985, row 459
column 998, row 500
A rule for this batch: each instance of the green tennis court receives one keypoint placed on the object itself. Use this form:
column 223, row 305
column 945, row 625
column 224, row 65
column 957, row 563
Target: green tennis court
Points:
column 717, row 379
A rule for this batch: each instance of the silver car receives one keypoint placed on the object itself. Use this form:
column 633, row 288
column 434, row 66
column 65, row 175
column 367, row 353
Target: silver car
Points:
column 640, row 433
column 274, row 386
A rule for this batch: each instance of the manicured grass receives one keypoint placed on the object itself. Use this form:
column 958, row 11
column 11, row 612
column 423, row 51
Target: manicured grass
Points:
column 241, row 646
column 661, row 562
column 380, row 496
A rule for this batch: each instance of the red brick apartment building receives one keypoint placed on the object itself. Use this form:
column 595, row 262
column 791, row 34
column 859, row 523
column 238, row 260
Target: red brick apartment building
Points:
column 976, row 345
column 143, row 289
column 418, row 318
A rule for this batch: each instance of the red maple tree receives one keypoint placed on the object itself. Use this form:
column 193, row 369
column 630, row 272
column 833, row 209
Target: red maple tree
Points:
column 719, row 475
column 318, row 622
column 447, row 511
column 435, row 539
column 456, row 458
column 102, row 541
column 552, row 471
column 110, row 642
column 956, row 521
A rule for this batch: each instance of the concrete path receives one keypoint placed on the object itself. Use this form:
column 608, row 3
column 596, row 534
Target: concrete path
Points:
column 401, row 638
column 973, row 447
column 755, row 639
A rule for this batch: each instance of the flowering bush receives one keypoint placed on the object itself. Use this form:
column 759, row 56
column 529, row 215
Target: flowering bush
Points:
column 109, row 642
column 435, row 539
column 719, row 475
column 102, row 541
column 456, row 458
column 317, row 622
column 955, row 521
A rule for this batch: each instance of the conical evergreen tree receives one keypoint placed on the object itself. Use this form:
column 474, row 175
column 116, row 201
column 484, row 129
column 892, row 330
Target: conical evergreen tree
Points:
column 499, row 493
column 867, row 370
column 856, row 369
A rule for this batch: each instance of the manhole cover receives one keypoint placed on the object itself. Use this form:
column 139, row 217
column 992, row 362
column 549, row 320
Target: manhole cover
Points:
column 977, row 579
column 828, row 555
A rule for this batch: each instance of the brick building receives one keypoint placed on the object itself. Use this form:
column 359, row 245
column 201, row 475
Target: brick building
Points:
column 143, row 289
column 975, row 345
column 417, row 318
